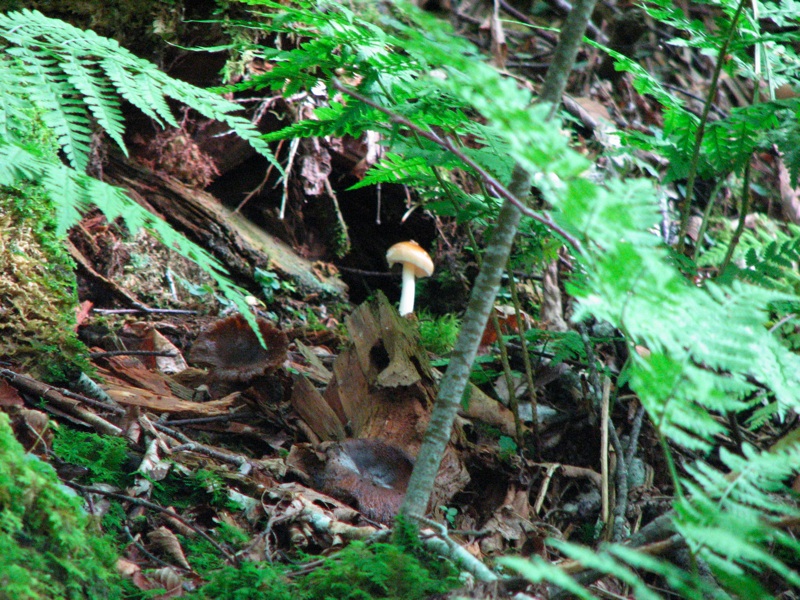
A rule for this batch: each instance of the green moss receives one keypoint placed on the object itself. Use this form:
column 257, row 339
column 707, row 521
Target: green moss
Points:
column 38, row 290
column 359, row 572
column 438, row 334
column 114, row 519
column 205, row 558
column 185, row 490
column 377, row 571
column 47, row 548
column 250, row 580
column 104, row 456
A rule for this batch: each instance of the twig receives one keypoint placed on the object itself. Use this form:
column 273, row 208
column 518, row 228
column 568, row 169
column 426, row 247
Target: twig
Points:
column 93, row 395
column 260, row 186
column 633, row 439
column 448, row 145
column 701, row 128
column 701, row 233
column 689, row 94
column 343, row 246
column 153, row 506
column 190, row 445
column 594, row 376
column 63, row 401
column 618, row 531
column 742, row 219
column 445, row 546
column 145, row 310
column 289, row 163
column 522, row 327
column 145, row 551
column 540, row 498
column 604, row 427
column 513, row 402
column 168, row 353
column 783, row 320
column 365, row 272
column 215, row 419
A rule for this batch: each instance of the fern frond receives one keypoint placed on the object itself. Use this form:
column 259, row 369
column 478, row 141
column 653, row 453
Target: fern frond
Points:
column 71, row 191
column 724, row 520
column 69, row 69
column 99, row 96
column 765, row 258
column 710, row 347
column 70, row 75
column 538, row 570
column 63, row 113
column 125, row 85
column 68, row 185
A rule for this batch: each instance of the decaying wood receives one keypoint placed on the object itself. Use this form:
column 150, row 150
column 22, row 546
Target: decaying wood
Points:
column 382, row 385
column 488, row 410
column 239, row 244
column 313, row 409
column 55, row 398
column 377, row 330
column 166, row 403
column 382, row 390
column 126, row 297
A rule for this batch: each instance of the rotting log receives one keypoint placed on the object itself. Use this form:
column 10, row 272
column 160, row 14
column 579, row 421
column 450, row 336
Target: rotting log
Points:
column 235, row 241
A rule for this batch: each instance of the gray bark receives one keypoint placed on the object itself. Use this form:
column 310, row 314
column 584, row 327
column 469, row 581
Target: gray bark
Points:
column 486, row 285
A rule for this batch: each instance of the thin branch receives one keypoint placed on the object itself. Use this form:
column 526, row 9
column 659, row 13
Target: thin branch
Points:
column 737, row 235
column 633, row 441
column 147, row 311
column 484, row 290
column 108, row 353
column 153, row 506
column 701, row 128
column 189, row 445
column 448, row 145
column 605, row 500
column 450, row 548
column 619, row 529
column 522, row 327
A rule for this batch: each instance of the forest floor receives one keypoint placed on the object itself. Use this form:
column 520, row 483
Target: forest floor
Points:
column 233, row 451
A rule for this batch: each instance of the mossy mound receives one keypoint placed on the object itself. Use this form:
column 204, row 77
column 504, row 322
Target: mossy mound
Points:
column 37, row 289
column 359, row 572
column 47, row 547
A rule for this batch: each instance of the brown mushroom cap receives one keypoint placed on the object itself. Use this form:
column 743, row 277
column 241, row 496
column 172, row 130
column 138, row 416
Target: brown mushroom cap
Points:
column 411, row 253
column 231, row 350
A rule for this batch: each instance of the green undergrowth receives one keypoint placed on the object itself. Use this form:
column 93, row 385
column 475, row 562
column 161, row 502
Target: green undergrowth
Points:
column 49, row 549
column 204, row 557
column 184, row 490
column 103, row 456
column 359, row 572
column 438, row 333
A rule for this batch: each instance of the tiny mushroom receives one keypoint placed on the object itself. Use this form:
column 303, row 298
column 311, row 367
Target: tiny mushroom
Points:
column 416, row 263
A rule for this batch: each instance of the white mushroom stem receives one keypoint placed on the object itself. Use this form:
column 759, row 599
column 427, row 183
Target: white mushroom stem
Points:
column 407, row 293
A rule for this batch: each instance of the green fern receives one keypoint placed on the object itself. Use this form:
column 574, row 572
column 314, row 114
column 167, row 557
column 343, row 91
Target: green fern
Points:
column 710, row 347
column 77, row 79
column 730, row 522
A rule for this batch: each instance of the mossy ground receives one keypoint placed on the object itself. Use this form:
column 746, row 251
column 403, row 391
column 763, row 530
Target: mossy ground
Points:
column 38, row 292
column 49, row 549
column 359, row 572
